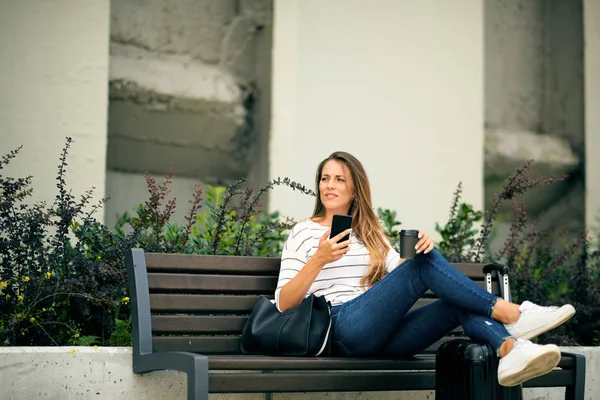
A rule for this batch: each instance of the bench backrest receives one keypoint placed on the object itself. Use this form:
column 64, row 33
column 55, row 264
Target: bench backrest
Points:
column 200, row 303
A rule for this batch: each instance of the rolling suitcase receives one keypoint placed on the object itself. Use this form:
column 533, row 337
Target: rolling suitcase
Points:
column 467, row 370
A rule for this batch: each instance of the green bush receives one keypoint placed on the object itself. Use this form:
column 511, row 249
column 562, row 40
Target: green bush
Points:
column 229, row 221
column 458, row 235
column 55, row 290
column 389, row 223
column 62, row 274
column 545, row 268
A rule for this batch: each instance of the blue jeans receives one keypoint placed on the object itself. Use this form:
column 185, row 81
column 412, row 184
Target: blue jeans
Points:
column 380, row 321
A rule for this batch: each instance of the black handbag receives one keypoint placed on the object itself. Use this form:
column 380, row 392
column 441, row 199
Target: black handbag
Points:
column 303, row 330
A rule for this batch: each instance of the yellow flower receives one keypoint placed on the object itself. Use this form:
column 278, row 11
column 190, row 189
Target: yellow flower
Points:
column 48, row 275
column 3, row 285
column 20, row 298
column 73, row 351
column 19, row 315
column 25, row 279
column 125, row 300
column 7, row 296
column 95, row 348
column 32, row 320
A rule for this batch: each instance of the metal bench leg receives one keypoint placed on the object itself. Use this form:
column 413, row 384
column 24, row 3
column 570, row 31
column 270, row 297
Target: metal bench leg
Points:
column 577, row 391
column 197, row 381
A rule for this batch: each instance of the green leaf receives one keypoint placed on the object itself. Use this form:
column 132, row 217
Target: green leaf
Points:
column 88, row 340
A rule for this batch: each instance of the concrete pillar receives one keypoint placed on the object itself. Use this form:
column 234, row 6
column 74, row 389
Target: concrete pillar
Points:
column 534, row 108
column 54, row 81
column 398, row 83
column 591, row 16
column 189, row 86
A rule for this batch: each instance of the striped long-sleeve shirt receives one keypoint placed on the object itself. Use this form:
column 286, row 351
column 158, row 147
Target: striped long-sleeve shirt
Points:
column 338, row 281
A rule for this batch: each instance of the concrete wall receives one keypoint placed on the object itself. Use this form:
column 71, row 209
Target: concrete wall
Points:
column 54, row 58
column 534, row 67
column 189, row 85
column 534, row 104
column 105, row 373
column 398, row 83
column 591, row 10
column 514, row 51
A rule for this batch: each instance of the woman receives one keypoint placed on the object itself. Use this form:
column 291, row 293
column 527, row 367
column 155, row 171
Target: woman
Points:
column 372, row 289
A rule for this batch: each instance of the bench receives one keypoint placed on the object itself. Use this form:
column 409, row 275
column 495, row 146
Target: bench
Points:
column 188, row 311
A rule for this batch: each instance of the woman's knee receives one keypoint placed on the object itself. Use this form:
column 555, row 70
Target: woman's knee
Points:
column 434, row 256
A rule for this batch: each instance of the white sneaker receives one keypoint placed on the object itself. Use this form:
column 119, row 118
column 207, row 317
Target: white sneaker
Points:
column 535, row 320
column 526, row 361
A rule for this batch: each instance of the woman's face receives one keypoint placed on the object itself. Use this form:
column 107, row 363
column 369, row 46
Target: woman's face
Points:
column 336, row 187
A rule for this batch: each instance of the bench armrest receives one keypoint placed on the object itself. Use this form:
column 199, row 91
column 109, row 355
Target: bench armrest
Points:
column 172, row 360
column 194, row 365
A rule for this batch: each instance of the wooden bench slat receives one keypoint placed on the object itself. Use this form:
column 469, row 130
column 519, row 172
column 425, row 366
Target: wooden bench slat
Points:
column 473, row 271
column 218, row 304
column 211, row 283
column 195, row 324
column 250, row 362
column 222, row 264
column 169, row 282
column 202, row 303
column 161, row 303
column 227, row 344
column 198, row 344
column 198, row 324
column 321, row 381
column 259, row 363
column 481, row 284
column 242, row 265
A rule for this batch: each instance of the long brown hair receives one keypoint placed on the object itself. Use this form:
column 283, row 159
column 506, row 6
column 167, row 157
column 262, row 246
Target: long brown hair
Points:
column 365, row 223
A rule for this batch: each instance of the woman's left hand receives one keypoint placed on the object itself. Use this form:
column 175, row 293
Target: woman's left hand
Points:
column 425, row 244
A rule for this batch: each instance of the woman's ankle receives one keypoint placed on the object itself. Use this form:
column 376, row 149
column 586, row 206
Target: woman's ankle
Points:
column 506, row 347
column 506, row 312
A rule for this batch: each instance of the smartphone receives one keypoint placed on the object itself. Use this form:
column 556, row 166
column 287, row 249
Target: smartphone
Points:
column 339, row 224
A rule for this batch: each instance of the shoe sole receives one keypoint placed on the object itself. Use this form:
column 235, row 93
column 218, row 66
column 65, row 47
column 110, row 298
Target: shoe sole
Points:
column 566, row 315
column 537, row 366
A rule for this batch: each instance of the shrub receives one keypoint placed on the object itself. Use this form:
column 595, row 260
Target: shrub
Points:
column 62, row 274
column 51, row 291
column 389, row 222
column 545, row 268
column 229, row 221
column 458, row 235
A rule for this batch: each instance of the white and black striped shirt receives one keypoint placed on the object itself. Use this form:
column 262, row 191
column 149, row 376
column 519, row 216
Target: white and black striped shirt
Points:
column 338, row 281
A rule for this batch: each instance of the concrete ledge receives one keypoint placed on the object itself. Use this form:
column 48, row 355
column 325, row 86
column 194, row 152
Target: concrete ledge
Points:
column 105, row 373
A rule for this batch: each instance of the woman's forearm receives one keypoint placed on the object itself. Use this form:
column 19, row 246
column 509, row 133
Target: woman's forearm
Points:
column 293, row 292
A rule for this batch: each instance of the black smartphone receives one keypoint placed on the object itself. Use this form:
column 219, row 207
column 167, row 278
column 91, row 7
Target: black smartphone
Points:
column 339, row 224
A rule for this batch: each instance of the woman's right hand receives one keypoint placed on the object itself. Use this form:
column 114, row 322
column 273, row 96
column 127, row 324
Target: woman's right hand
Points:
column 329, row 249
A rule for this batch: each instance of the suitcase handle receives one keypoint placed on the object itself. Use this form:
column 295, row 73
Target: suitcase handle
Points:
column 503, row 284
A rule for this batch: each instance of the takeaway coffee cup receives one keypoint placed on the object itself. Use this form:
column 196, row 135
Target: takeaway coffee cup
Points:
column 408, row 241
